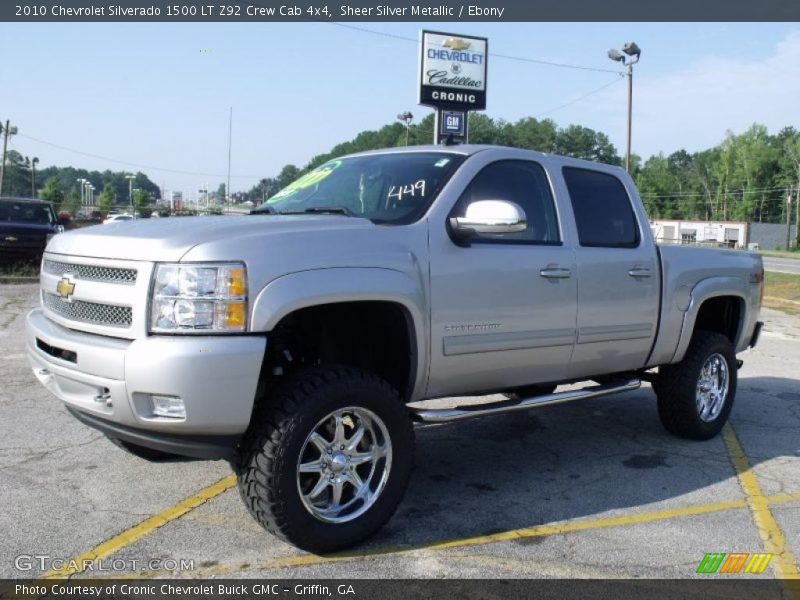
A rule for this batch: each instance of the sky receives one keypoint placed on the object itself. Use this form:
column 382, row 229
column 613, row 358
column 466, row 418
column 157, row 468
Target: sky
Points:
column 156, row 97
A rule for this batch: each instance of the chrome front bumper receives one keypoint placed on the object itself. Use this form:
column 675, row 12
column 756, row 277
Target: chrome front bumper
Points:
column 111, row 380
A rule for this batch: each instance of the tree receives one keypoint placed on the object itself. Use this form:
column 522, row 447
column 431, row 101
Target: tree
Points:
column 72, row 203
column 52, row 192
column 288, row 174
column 221, row 195
column 141, row 202
column 107, row 197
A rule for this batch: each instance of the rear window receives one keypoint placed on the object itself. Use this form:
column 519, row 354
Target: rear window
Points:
column 22, row 212
column 603, row 211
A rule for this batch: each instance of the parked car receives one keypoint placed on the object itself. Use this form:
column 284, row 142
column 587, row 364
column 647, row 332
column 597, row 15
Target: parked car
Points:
column 291, row 342
column 25, row 227
column 116, row 219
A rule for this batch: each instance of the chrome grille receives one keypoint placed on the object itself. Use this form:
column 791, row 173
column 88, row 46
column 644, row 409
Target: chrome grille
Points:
column 89, row 312
column 90, row 272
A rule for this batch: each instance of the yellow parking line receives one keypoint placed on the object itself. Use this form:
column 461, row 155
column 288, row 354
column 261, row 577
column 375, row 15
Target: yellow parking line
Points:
column 130, row 536
column 770, row 532
column 540, row 531
column 110, row 546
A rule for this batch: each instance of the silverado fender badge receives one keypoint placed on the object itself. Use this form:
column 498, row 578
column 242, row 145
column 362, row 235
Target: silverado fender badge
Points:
column 65, row 288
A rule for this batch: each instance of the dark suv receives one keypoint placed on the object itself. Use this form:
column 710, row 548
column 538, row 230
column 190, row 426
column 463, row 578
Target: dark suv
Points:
column 25, row 227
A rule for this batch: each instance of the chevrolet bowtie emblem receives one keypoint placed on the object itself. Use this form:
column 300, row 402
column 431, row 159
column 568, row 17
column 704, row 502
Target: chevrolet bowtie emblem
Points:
column 65, row 288
column 456, row 43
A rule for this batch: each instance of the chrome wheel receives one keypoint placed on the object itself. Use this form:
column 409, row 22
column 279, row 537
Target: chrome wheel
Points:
column 344, row 465
column 712, row 387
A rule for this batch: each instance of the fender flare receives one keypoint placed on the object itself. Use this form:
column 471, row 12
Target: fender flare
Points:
column 304, row 289
column 705, row 289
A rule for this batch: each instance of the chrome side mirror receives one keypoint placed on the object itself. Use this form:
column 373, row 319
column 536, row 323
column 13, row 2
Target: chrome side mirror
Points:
column 489, row 216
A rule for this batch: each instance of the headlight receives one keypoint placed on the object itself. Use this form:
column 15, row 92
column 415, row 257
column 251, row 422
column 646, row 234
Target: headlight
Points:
column 194, row 298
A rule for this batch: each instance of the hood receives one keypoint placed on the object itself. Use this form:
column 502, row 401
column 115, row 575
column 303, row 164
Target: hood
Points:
column 169, row 239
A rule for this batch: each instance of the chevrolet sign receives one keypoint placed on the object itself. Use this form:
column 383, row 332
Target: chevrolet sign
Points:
column 453, row 71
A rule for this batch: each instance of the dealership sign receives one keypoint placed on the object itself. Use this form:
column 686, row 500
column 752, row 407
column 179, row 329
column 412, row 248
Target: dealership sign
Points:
column 453, row 71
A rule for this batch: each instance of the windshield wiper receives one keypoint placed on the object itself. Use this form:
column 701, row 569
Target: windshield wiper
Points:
column 322, row 210
column 263, row 210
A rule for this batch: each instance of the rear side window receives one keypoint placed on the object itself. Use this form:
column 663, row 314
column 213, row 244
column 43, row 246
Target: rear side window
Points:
column 603, row 211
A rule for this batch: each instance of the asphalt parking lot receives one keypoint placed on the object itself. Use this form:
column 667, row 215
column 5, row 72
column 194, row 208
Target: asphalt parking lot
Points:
column 593, row 489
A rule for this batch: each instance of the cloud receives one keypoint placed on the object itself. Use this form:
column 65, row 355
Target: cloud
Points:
column 694, row 107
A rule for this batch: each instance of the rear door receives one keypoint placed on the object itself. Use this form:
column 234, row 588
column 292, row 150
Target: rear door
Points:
column 618, row 277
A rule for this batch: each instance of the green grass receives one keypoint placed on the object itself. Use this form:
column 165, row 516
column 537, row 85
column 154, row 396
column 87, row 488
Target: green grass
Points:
column 782, row 291
column 793, row 253
column 21, row 269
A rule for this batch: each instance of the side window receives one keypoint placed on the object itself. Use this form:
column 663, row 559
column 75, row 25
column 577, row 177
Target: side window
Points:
column 522, row 182
column 603, row 211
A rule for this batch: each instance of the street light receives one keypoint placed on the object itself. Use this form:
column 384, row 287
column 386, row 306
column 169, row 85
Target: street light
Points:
column 34, row 162
column 82, row 182
column 407, row 117
column 633, row 53
column 130, row 179
column 7, row 131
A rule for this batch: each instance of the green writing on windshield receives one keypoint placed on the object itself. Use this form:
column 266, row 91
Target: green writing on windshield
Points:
column 307, row 180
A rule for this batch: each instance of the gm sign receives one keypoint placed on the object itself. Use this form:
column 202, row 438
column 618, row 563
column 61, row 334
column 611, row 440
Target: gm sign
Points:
column 453, row 71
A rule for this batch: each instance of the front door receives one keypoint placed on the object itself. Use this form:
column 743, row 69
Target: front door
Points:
column 503, row 309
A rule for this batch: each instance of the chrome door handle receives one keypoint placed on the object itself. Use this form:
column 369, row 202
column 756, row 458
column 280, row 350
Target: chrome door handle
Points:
column 556, row 273
column 640, row 273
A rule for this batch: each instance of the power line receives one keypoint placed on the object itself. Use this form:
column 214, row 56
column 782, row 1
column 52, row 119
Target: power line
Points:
column 493, row 54
column 579, row 98
column 130, row 164
column 717, row 191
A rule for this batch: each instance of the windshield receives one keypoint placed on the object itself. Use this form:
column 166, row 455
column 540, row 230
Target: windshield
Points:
column 387, row 188
column 23, row 212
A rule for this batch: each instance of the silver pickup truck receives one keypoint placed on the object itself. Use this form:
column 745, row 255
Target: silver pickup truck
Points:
column 301, row 342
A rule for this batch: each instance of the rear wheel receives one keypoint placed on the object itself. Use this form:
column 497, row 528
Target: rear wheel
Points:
column 327, row 459
column 695, row 396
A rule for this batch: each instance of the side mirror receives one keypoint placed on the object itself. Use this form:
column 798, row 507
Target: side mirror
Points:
column 489, row 216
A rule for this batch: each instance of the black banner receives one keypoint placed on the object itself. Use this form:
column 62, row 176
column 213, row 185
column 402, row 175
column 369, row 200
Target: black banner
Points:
column 397, row 589
column 396, row 10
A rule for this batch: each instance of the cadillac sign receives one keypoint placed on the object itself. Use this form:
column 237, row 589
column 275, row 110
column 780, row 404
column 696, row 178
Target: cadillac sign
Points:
column 453, row 71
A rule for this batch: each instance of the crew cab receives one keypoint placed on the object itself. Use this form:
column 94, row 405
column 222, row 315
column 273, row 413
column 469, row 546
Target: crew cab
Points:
column 292, row 341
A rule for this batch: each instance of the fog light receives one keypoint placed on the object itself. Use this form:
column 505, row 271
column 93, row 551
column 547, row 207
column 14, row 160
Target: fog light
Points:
column 168, row 406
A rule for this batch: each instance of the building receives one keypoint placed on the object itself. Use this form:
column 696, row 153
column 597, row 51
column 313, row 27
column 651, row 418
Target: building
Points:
column 725, row 234
column 711, row 233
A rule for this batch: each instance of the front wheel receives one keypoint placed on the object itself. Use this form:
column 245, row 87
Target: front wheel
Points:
column 327, row 459
column 695, row 396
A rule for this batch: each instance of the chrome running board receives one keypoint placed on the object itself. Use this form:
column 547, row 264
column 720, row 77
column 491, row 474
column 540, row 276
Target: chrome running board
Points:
column 461, row 413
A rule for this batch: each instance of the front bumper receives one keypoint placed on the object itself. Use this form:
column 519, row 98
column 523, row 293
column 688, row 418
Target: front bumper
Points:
column 108, row 382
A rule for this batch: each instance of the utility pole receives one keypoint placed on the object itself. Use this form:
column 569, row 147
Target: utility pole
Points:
column 130, row 179
column 797, row 218
column 230, row 137
column 788, row 219
column 33, row 176
column 633, row 53
column 7, row 131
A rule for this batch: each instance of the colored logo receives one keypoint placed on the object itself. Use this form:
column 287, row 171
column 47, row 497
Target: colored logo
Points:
column 736, row 562
column 455, row 43
column 65, row 288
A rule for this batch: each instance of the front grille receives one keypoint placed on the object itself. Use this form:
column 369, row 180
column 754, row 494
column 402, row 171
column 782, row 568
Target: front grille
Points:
column 90, row 272
column 89, row 312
